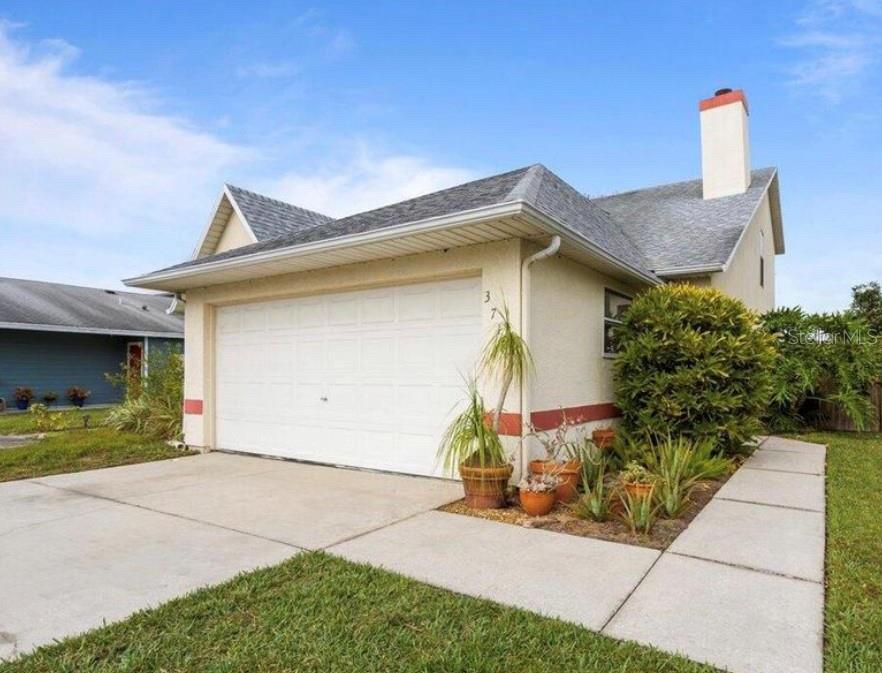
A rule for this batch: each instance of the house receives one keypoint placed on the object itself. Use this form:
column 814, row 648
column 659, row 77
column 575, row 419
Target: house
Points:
column 54, row 336
column 344, row 341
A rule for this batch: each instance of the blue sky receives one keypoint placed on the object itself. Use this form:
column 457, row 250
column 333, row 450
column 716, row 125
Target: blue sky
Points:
column 120, row 121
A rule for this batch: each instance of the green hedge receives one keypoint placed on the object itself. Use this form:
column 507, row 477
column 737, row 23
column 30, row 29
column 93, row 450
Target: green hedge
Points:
column 693, row 362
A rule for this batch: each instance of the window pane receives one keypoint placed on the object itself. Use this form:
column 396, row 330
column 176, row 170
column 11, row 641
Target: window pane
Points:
column 615, row 305
column 609, row 344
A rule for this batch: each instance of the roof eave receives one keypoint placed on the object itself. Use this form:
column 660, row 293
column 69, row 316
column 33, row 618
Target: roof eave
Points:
column 34, row 327
column 695, row 270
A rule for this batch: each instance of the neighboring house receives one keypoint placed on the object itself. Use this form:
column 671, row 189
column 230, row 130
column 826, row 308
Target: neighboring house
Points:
column 55, row 336
column 345, row 340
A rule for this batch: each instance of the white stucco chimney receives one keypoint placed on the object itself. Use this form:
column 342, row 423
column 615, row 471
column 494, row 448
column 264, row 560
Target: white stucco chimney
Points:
column 725, row 144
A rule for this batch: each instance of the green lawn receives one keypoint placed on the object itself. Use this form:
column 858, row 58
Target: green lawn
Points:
column 318, row 613
column 22, row 423
column 854, row 552
column 77, row 450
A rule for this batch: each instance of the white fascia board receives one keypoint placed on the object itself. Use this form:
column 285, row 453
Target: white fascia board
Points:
column 88, row 330
column 554, row 227
column 375, row 236
column 224, row 194
column 698, row 269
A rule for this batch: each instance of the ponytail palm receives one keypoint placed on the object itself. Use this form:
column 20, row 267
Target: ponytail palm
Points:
column 506, row 358
column 468, row 439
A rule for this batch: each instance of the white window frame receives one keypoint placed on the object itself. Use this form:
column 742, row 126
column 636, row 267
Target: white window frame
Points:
column 612, row 321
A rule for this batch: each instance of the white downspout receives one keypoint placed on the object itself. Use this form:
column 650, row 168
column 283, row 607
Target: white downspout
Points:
column 552, row 248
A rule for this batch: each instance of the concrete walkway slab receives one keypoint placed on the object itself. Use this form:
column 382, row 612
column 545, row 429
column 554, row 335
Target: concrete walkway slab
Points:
column 580, row 580
column 784, row 489
column 786, row 461
column 310, row 506
column 772, row 539
column 793, row 446
column 71, row 574
column 738, row 619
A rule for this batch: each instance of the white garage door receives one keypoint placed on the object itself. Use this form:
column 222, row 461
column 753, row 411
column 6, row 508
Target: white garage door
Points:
column 366, row 378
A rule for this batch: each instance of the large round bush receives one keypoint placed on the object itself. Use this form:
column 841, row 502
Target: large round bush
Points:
column 693, row 362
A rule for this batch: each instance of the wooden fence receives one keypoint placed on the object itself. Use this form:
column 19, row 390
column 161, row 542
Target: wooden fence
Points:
column 832, row 417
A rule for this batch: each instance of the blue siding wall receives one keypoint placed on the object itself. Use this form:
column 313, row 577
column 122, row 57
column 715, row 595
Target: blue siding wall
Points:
column 55, row 361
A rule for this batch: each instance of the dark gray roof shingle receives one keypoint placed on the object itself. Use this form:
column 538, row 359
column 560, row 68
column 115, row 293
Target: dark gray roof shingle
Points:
column 33, row 302
column 648, row 229
column 677, row 228
column 269, row 218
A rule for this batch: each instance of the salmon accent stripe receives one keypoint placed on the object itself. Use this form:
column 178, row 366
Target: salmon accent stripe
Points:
column 724, row 99
column 193, row 407
column 510, row 423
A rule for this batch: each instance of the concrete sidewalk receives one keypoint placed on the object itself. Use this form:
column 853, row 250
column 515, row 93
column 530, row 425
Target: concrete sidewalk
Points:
column 741, row 588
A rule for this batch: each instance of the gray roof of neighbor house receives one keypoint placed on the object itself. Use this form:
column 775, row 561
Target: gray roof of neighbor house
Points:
column 37, row 305
column 269, row 218
column 676, row 228
column 645, row 230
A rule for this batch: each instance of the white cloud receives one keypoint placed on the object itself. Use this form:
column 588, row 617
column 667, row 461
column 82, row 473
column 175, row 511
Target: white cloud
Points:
column 838, row 43
column 366, row 181
column 94, row 156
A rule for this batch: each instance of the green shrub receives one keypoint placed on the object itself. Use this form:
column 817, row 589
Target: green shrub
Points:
column 153, row 403
column 45, row 420
column 832, row 357
column 692, row 362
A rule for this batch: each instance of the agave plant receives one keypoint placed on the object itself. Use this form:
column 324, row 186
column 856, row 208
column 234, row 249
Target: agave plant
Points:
column 639, row 512
column 594, row 504
column 469, row 440
column 506, row 358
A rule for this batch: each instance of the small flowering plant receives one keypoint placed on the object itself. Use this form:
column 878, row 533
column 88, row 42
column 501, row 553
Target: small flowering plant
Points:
column 635, row 473
column 539, row 483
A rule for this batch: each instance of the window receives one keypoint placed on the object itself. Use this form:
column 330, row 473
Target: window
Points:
column 614, row 305
column 762, row 265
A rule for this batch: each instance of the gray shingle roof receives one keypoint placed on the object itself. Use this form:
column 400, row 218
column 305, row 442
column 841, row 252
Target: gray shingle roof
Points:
column 647, row 230
column 269, row 218
column 677, row 228
column 32, row 302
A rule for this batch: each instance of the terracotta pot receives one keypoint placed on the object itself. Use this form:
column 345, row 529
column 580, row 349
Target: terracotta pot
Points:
column 569, row 472
column 638, row 490
column 537, row 504
column 603, row 438
column 485, row 486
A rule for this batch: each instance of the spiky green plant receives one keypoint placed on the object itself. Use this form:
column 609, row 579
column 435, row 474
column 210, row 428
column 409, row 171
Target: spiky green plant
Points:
column 506, row 358
column 469, row 440
column 639, row 512
column 594, row 503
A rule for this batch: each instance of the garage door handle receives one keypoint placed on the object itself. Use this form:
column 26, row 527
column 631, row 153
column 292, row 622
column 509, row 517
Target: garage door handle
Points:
column 323, row 399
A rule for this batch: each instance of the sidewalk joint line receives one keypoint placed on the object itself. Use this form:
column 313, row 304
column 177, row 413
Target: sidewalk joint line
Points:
column 630, row 593
column 772, row 469
column 768, row 504
column 762, row 571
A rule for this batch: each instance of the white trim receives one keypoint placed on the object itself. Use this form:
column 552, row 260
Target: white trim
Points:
column 225, row 194
column 34, row 327
column 143, row 345
column 239, row 212
column 350, row 240
column 555, row 227
column 676, row 271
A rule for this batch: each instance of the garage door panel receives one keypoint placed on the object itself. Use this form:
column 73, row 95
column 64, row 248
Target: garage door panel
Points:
column 367, row 378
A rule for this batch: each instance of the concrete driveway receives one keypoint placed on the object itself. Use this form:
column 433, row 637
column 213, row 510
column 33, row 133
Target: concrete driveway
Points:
column 77, row 550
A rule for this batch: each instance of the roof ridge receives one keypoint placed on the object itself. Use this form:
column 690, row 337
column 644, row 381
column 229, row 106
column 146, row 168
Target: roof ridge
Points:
column 278, row 201
column 527, row 188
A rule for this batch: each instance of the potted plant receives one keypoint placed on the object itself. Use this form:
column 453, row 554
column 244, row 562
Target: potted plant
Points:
column 472, row 446
column 78, row 395
column 50, row 398
column 604, row 437
column 537, row 493
column 636, row 479
column 562, row 459
column 23, row 397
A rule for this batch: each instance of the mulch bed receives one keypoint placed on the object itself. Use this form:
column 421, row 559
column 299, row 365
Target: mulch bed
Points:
column 562, row 520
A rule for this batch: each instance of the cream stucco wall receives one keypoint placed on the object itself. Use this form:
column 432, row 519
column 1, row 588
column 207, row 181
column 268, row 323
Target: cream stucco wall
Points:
column 497, row 263
column 566, row 336
column 234, row 235
column 742, row 277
